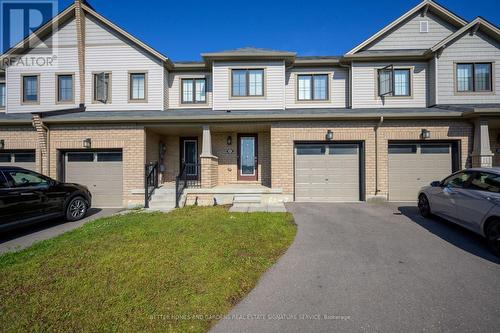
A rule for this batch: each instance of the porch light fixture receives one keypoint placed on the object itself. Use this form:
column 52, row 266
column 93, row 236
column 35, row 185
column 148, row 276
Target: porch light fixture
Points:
column 426, row 134
column 229, row 140
column 329, row 135
column 2, row 144
column 87, row 143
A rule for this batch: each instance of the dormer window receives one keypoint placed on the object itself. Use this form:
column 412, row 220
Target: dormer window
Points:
column 247, row 82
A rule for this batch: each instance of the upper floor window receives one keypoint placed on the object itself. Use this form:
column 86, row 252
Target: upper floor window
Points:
column 247, row 82
column 474, row 77
column 312, row 87
column 102, row 87
column 2, row 95
column 194, row 91
column 394, row 81
column 65, row 88
column 137, row 86
column 30, row 87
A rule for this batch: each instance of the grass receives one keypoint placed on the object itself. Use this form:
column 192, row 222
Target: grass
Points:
column 175, row 272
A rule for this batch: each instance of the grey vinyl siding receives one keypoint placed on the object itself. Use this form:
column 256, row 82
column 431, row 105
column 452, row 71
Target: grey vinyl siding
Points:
column 337, row 88
column 468, row 48
column 175, row 89
column 274, row 86
column 364, row 85
column 431, row 79
column 408, row 35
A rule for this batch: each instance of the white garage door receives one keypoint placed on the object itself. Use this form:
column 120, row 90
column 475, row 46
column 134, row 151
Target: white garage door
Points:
column 20, row 158
column 101, row 172
column 327, row 172
column 412, row 166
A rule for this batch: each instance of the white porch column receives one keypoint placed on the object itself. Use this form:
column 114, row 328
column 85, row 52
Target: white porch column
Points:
column 482, row 155
column 206, row 144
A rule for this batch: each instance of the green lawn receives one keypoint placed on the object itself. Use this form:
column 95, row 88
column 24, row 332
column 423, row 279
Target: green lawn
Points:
column 141, row 272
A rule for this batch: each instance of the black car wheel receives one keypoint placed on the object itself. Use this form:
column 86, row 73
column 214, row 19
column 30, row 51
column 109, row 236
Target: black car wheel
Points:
column 424, row 206
column 493, row 237
column 76, row 209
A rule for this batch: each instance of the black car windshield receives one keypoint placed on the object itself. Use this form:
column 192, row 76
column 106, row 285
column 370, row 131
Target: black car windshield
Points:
column 25, row 178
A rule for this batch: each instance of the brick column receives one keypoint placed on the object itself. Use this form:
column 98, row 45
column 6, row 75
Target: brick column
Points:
column 482, row 155
column 209, row 162
column 42, row 142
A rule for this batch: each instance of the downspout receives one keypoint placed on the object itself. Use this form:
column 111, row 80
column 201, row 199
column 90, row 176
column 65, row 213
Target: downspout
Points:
column 377, row 190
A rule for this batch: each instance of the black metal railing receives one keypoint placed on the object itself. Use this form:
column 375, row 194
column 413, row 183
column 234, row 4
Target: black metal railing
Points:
column 150, row 181
column 189, row 177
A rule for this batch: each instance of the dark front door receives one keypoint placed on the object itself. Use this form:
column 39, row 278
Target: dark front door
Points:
column 189, row 156
column 247, row 157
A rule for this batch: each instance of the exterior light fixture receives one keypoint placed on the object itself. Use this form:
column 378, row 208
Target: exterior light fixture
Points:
column 329, row 135
column 2, row 144
column 426, row 134
column 87, row 143
column 229, row 140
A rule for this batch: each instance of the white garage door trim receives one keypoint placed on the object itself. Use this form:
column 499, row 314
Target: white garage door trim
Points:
column 19, row 158
column 414, row 164
column 100, row 171
column 328, row 171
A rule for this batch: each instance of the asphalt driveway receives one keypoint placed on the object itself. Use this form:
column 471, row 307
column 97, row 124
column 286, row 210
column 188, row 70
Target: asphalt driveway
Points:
column 20, row 238
column 367, row 267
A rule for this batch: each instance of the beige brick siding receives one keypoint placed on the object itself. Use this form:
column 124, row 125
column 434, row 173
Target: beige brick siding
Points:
column 284, row 134
column 209, row 172
column 130, row 138
column 21, row 137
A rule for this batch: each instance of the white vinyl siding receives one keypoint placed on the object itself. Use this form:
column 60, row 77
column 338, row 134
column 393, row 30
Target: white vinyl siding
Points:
column 337, row 88
column 175, row 90
column 106, row 51
column 274, row 86
column 365, row 81
column 408, row 35
column 468, row 49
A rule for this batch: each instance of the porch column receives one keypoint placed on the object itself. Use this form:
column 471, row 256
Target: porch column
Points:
column 482, row 155
column 209, row 162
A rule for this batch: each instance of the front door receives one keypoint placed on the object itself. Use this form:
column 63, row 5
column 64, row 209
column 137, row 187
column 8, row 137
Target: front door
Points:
column 189, row 156
column 247, row 157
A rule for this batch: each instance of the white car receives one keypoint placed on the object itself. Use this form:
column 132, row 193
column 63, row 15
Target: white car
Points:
column 470, row 198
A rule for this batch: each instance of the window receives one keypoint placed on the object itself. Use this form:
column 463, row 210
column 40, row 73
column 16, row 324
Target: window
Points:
column 3, row 181
column 65, row 88
column 312, row 87
column 483, row 181
column 402, row 149
column 2, row 95
column 343, row 149
column 194, row 91
column 109, row 157
column 394, row 82
column 247, row 82
column 30, row 89
column 311, row 150
column 80, row 157
column 458, row 180
column 5, row 158
column 102, row 85
column 474, row 77
column 435, row 149
column 24, row 157
column 21, row 178
column 137, row 86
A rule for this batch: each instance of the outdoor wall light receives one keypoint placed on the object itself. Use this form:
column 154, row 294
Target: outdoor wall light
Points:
column 87, row 143
column 329, row 135
column 2, row 144
column 229, row 140
column 426, row 134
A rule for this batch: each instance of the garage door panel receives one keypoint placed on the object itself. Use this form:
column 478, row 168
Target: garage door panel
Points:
column 19, row 158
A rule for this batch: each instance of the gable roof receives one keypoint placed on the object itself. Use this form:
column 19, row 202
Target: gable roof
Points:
column 477, row 23
column 424, row 5
column 249, row 53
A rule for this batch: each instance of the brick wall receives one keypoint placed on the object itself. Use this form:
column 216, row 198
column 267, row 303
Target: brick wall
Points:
column 21, row 137
column 209, row 172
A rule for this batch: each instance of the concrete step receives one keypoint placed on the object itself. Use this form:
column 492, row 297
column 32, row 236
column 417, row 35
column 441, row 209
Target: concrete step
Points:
column 161, row 205
column 163, row 196
column 162, row 190
column 247, row 199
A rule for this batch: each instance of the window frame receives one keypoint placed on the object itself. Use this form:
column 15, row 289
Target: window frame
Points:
column 194, row 79
column 247, row 82
column 130, row 97
column 37, row 101
column 473, row 91
column 94, row 86
column 5, row 96
column 312, row 100
column 58, row 95
column 410, row 70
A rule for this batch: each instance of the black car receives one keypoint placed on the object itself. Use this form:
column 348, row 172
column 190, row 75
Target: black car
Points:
column 28, row 197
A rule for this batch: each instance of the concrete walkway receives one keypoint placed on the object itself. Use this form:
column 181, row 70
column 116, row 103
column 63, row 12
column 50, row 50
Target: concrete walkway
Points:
column 374, row 268
column 21, row 238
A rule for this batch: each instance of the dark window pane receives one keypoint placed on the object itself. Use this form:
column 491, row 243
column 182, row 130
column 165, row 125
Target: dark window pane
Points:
column 343, row 149
column 458, row 181
column 25, row 178
column 311, row 150
column 402, row 149
column 24, row 157
column 464, row 77
column 109, row 157
column 482, row 77
column 3, row 181
column 486, row 182
column 80, row 157
column 5, row 158
column 435, row 149
column 384, row 81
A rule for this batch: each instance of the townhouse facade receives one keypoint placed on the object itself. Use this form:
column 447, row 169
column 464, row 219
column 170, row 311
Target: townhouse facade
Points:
column 411, row 104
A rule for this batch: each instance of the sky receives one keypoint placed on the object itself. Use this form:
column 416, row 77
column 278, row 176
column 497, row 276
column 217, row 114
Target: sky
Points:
column 184, row 29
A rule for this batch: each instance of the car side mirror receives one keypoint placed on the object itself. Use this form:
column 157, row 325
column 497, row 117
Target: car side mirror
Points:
column 436, row 183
